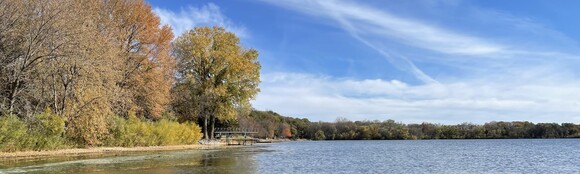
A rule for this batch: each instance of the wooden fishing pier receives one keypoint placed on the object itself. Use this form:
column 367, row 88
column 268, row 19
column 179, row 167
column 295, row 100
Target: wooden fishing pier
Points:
column 237, row 136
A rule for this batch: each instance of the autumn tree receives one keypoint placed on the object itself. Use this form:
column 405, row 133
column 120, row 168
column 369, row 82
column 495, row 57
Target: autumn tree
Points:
column 217, row 73
column 31, row 34
column 143, row 47
column 52, row 56
column 124, row 66
column 285, row 131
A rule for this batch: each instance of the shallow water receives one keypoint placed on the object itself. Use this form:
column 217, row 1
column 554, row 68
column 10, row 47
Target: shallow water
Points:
column 189, row 161
column 408, row 156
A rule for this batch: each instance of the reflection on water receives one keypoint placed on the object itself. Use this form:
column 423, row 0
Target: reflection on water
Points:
column 240, row 160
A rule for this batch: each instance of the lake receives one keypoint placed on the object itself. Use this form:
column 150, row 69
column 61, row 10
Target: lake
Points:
column 404, row 156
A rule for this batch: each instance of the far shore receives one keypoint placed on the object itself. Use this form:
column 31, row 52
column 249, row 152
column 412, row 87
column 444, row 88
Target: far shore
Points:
column 108, row 150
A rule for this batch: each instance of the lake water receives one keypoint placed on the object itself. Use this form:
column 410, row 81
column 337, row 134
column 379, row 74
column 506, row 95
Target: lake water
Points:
column 406, row 156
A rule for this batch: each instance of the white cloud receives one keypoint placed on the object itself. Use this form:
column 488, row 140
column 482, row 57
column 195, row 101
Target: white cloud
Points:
column 325, row 98
column 190, row 17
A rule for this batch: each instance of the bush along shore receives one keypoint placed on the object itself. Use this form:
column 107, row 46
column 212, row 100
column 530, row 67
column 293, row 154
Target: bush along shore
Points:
column 47, row 131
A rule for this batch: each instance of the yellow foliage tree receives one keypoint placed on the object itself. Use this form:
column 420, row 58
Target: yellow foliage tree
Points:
column 216, row 73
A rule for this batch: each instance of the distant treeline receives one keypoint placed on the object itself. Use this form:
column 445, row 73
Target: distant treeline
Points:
column 272, row 125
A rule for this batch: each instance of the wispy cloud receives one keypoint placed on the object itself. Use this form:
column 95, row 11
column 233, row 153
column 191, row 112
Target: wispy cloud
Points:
column 366, row 24
column 381, row 23
column 374, row 27
column 189, row 17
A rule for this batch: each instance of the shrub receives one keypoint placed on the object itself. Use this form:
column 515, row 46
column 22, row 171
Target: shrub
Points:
column 190, row 133
column 135, row 132
column 168, row 132
column 47, row 132
column 12, row 133
column 44, row 131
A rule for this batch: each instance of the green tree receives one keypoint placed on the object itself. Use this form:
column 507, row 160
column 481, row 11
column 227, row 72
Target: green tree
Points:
column 218, row 73
column 319, row 135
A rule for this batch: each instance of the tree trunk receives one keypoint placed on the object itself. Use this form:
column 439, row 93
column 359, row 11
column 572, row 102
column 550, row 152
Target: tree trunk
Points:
column 212, row 127
column 12, row 97
column 55, row 95
column 205, row 127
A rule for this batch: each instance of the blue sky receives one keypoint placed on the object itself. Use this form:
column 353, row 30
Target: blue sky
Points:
column 443, row 61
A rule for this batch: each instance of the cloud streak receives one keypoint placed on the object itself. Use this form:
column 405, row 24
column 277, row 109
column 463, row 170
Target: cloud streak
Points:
column 375, row 28
column 189, row 17
column 361, row 21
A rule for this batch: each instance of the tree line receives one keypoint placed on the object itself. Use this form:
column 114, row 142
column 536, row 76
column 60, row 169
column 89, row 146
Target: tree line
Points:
column 271, row 125
column 106, row 72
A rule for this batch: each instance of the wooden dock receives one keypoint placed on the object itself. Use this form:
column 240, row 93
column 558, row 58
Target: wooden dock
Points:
column 237, row 136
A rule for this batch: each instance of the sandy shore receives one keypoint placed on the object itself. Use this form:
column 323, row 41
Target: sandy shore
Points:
column 107, row 150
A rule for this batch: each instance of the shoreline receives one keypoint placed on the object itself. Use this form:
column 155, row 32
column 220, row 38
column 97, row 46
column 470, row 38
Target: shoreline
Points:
column 108, row 150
